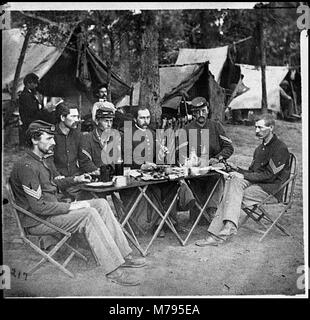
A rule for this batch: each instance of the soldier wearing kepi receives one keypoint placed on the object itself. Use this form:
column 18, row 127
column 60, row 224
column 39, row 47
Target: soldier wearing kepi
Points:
column 268, row 170
column 102, row 146
column 34, row 181
column 219, row 148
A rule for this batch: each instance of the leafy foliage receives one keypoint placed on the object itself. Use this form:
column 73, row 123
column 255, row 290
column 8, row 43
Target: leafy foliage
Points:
column 116, row 36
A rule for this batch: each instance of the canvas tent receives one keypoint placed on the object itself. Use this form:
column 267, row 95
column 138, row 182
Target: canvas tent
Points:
column 251, row 99
column 189, row 81
column 215, row 56
column 73, row 72
column 221, row 65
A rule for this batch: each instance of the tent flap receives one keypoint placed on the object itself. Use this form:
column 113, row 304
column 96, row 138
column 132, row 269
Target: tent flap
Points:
column 99, row 74
column 66, row 72
column 252, row 98
column 215, row 56
column 39, row 58
column 179, row 80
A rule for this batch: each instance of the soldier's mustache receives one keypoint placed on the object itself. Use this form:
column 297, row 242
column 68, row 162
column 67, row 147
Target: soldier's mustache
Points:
column 201, row 119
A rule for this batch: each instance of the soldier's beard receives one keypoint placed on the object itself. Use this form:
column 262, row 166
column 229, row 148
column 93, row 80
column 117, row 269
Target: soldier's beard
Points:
column 72, row 126
column 50, row 150
column 201, row 120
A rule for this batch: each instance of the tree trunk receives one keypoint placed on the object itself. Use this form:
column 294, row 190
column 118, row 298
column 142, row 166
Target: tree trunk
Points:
column 205, row 29
column 263, row 66
column 125, row 57
column 149, row 73
column 100, row 45
column 19, row 68
column 110, row 65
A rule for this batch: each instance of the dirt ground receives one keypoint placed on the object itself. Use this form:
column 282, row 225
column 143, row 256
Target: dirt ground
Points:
column 243, row 266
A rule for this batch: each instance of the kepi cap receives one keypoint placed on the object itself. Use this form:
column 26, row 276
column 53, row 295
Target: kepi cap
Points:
column 199, row 102
column 105, row 112
column 41, row 126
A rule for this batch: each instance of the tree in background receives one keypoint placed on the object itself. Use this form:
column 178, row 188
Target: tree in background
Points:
column 149, row 70
column 281, row 34
column 123, row 38
column 44, row 27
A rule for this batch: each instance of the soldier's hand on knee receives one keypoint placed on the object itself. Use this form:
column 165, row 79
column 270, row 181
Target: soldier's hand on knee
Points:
column 79, row 205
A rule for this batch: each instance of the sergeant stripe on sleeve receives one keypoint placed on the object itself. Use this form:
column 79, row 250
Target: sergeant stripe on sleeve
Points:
column 225, row 139
column 33, row 193
column 274, row 168
column 87, row 154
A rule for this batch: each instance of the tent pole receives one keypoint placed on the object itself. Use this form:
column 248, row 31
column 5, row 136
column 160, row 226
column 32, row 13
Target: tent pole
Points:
column 131, row 96
column 80, row 103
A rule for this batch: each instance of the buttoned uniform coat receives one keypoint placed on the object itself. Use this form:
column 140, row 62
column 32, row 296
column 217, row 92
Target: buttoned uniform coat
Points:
column 145, row 148
column 270, row 166
column 139, row 147
column 35, row 184
column 220, row 146
column 31, row 110
column 98, row 150
column 67, row 151
column 268, row 170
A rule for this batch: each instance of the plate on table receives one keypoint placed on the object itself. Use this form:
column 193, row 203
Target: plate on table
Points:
column 100, row 184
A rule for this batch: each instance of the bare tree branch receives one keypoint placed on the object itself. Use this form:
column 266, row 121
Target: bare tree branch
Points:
column 45, row 20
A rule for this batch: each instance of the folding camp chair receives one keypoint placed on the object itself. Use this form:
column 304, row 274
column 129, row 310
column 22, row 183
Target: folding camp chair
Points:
column 61, row 236
column 258, row 211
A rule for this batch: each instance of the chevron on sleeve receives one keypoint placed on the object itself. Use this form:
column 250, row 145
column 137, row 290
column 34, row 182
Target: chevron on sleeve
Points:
column 87, row 154
column 225, row 139
column 274, row 168
column 33, row 193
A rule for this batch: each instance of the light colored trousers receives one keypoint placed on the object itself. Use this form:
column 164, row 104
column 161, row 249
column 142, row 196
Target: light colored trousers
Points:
column 238, row 193
column 102, row 230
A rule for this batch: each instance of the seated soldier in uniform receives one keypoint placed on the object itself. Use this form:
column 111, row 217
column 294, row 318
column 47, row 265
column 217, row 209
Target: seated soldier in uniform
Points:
column 268, row 170
column 219, row 146
column 34, row 181
column 102, row 146
column 147, row 158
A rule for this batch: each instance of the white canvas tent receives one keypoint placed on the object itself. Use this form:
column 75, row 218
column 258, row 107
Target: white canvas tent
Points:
column 64, row 72
column 38, row 59
column 252, row 98
column 215, row 56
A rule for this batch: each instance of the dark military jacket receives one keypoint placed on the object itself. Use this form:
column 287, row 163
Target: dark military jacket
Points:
column 97, row 150
column 29, row 109
column 139, row 146
column 270, row 166
column 67, row 151
column 34, row 184
column 219, row 143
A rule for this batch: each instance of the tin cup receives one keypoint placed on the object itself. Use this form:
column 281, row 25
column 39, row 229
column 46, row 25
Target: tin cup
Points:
column 119, row 181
